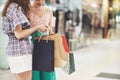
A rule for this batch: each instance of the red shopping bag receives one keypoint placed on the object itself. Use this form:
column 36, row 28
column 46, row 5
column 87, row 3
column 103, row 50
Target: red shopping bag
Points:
column 65, row 44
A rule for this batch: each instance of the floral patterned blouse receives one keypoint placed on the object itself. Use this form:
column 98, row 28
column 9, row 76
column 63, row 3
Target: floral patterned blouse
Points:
column 45, row 19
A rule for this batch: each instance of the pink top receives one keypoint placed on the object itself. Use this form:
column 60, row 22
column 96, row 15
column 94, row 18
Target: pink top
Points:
column 45, row 19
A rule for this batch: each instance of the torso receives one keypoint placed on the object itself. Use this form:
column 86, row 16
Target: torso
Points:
column 38, row 17
column 17, row 47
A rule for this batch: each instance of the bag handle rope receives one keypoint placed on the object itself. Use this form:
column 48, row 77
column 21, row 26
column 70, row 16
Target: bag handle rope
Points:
column 47, row 34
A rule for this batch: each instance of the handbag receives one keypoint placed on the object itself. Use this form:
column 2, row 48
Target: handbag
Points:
column 60, row 55
column 69, row 67
column 43, row 55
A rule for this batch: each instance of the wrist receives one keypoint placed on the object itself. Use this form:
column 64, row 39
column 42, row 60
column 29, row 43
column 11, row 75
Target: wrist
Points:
column 37, row 27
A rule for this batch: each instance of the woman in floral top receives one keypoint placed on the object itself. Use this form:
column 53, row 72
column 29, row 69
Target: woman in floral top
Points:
column 40, row 15
column 16, row 25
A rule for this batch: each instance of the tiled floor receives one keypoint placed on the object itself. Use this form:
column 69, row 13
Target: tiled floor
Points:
column 99, row 61
column 6, row 75
column 102, row 56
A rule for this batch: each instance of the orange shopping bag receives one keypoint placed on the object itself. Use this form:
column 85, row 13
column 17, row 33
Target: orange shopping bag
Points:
column 65, row 44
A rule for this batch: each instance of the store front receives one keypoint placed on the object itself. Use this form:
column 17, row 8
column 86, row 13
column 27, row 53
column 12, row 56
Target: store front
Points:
column 116, row 12
column 91, row 18
column 114, row 19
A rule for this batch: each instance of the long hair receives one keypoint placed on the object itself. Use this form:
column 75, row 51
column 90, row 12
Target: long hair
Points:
column 23, row 3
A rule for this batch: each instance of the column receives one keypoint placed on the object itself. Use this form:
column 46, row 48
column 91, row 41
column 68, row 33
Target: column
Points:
column 104, row 20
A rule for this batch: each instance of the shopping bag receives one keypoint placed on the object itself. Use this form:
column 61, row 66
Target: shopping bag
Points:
column 60, row 55
column 43, row 55
column 69, row 67
column 65, row 44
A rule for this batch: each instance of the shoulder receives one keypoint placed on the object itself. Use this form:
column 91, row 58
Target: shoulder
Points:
column 12, row 6
column 11, row 9
column 48, row 9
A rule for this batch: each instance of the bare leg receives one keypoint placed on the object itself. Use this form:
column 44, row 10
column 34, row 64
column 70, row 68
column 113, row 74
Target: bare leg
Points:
column 23, row 76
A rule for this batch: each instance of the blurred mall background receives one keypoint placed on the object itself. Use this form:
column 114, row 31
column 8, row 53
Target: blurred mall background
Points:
column 92, row 29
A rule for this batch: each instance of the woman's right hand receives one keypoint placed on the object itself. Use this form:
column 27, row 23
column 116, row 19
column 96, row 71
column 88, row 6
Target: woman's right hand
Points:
column 42, row 28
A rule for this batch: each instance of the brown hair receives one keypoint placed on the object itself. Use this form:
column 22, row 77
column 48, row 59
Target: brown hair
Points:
column 23, row 3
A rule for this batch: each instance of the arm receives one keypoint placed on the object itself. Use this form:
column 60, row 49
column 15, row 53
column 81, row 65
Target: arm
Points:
column 20, row 19
column 19, row 33
column 51, row 22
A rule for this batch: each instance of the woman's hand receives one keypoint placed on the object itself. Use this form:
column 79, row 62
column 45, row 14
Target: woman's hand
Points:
column 50, row 30
column 42, row 28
